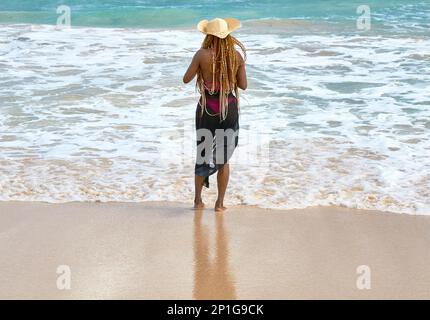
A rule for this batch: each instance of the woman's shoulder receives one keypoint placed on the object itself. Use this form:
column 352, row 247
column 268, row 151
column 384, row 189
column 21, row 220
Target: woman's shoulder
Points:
column 239, row 57
column 203, row 53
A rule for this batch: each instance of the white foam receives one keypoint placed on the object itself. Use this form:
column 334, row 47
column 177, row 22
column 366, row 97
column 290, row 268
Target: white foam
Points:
column 101, row 114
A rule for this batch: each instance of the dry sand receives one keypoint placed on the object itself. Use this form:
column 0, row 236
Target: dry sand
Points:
column 168, row 251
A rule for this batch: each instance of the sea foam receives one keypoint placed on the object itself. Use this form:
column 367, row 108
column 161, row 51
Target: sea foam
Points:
column 90, row 114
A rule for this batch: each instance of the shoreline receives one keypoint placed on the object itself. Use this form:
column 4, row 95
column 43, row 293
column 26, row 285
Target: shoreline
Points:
column 209, row 204
column 166, row 250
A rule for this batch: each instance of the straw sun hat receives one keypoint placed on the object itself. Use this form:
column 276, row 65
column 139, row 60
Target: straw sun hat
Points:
column 218, row 27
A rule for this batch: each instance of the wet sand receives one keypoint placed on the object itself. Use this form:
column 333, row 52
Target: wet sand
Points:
column 168, row 251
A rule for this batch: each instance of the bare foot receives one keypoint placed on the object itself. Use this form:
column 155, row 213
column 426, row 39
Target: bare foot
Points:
column 219, row 207
column 199, row 205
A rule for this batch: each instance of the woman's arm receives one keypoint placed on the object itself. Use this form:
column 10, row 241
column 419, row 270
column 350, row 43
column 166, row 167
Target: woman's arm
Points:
column 241, row 79
column 192, row 69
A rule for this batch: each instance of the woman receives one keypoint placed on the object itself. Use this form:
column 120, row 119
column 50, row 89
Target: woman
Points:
column 220, row 70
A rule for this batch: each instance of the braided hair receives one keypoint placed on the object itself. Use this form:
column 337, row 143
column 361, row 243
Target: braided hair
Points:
column 224, row 64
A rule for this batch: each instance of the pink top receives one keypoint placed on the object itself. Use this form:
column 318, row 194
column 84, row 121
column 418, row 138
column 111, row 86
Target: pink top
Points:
column 212, row 101
column 208, row 85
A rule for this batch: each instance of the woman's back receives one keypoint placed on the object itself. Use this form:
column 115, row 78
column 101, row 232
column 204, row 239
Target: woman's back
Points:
column 206, row 68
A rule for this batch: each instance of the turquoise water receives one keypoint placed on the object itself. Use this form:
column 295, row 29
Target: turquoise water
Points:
column 396, row 15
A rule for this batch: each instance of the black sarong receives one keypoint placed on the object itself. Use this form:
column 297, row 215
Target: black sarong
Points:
column 216, row 139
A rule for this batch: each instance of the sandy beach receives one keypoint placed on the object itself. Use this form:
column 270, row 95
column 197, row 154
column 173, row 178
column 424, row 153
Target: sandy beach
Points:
column 165, row 250
column 98, row 150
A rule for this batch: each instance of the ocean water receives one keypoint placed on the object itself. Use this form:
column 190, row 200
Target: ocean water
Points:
column 394, row 14
column 333, row 115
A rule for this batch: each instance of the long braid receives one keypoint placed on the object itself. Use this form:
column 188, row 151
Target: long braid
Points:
column 225, row 62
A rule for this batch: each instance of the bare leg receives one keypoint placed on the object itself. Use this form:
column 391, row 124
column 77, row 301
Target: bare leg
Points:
column 198, row 186
column 222, row 180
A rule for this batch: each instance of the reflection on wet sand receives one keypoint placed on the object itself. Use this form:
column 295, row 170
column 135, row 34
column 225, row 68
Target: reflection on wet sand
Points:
column 212, row 277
